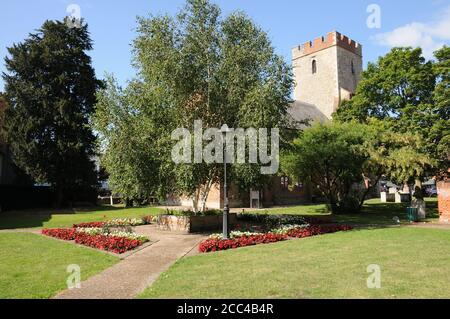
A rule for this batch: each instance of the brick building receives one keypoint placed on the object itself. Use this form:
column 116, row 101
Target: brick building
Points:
column 444, row 198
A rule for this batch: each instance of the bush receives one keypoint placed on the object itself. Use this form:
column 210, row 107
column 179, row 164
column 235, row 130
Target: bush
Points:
column 350, row 205
column 173, row 212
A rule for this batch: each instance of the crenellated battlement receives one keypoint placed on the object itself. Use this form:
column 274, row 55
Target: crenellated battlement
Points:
column 331, row 39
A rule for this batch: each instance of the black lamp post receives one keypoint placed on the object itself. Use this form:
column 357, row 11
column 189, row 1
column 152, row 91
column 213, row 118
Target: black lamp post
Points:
column 226, row 208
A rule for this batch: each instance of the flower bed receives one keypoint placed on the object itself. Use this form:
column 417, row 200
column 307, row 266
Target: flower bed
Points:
column 103, row 235
column 269, row 222
column 64, row 234
column 214, row 244
column 242, row 239
column 118, row 245
column 117, row 223
column 112, row 233
column 316, row 230
column 89, row 225
column 117, row 242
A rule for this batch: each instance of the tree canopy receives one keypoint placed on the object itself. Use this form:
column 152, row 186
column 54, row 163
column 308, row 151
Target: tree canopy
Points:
column 195, row 66
column 346, row 160
column 50, row 86
column 410, row 95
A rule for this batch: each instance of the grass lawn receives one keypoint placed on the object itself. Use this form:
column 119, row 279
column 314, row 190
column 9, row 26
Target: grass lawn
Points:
column 414, row 264
column 65, row 218
column 32, row 266
column 374, row 212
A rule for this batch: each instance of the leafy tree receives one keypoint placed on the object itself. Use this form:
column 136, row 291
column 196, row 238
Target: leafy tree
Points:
column 199, row 66
column 51, row 85
column 3, row 106
column 346, row 160
column 398, row 89
column 132, row 135
column 440, row 132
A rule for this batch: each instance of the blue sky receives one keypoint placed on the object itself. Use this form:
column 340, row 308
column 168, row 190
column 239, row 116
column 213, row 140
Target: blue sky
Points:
column 424, row 23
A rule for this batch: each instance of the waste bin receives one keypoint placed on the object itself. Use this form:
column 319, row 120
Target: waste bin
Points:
column 412, row 214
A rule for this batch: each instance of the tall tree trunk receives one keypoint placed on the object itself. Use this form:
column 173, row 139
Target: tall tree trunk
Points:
column 196, row 200
column 366, row 192
column 205, row 194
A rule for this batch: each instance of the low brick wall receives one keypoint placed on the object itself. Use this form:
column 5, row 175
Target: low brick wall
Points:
column 193, row 224
column 444, row 201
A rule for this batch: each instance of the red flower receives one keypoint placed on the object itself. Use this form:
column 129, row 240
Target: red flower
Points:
column 89, row 225
column 118, row 245
column 64, row 234
column 212, row 245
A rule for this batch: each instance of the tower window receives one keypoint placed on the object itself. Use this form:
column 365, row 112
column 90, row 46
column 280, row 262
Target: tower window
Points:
column 353, row 68
column 314, row 66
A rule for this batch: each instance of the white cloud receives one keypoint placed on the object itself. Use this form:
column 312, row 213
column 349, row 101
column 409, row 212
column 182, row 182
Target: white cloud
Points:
column 429, row 36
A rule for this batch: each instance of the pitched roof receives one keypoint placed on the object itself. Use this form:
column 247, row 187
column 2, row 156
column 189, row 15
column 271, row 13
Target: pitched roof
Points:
column 304, row 114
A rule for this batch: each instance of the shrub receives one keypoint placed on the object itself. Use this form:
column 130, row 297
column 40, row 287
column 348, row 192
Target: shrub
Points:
column 112, row 223
column 277, row 221
column 210, row 212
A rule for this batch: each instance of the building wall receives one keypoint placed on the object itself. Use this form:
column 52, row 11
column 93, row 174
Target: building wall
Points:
column 319, row 89
column 348, row 80
column 334, row 80
column 444, row 201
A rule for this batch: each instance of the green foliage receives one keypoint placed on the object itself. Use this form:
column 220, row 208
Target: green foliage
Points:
column 440, row 131
column 50, row 86
column 400, row 89
column 195, row 66
column 340, row 157
column 328, row 155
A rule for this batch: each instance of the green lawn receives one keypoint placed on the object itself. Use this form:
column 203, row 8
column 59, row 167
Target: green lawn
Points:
column 32, row 266
column 374, row 212
column 414, row 264
column 54, row 219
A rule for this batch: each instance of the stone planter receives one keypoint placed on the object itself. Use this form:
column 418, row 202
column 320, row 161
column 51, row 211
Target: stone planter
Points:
column 193, row 224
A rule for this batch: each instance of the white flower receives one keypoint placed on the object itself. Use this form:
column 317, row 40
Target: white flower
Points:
column 113, row 233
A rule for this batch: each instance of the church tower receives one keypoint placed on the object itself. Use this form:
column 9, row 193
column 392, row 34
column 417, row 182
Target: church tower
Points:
column 327, row 71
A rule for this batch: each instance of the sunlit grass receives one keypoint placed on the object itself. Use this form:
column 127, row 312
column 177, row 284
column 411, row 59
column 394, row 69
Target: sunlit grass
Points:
column 414, row 264
column 65, row 218
column 32, row 266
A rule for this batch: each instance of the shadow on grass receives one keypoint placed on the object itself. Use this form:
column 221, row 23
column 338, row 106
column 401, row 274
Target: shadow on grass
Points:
column 373, row 213
column 377, row 213
column 34, row 218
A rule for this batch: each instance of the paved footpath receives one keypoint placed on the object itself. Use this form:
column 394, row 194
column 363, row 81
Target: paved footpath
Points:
column 135, row 273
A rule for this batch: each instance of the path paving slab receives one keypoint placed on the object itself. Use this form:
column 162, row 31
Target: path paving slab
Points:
column 135, row 273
